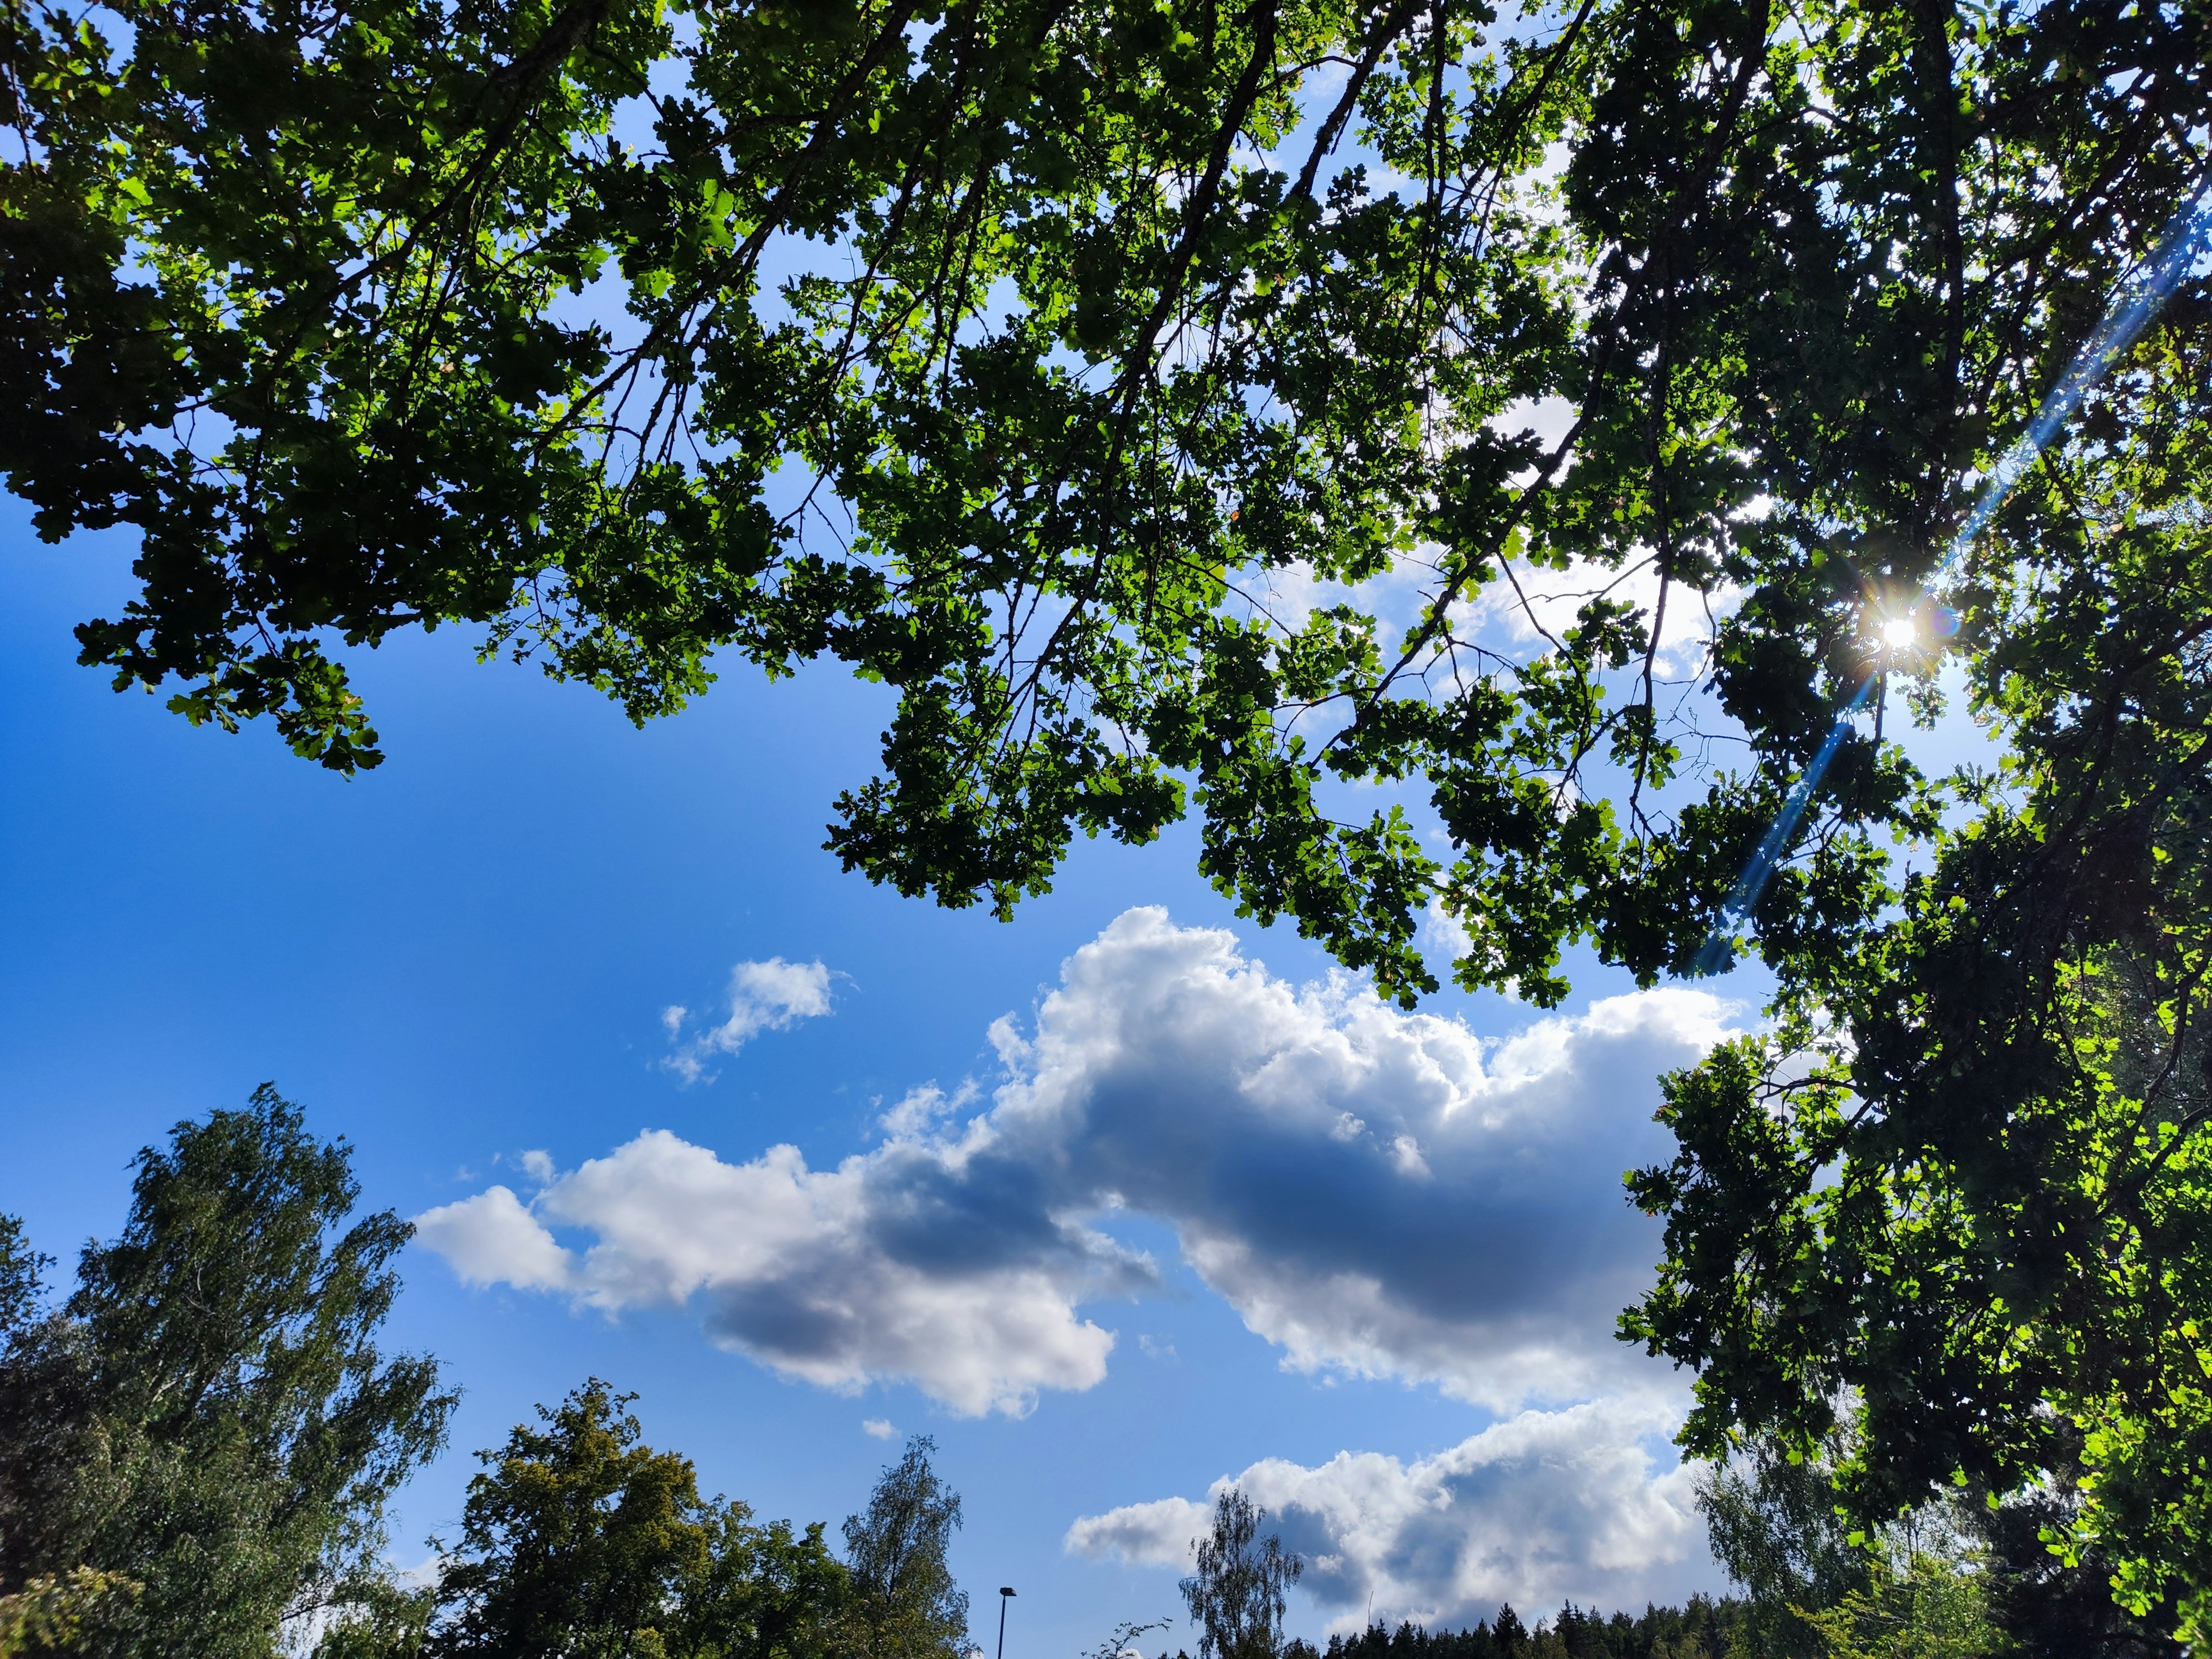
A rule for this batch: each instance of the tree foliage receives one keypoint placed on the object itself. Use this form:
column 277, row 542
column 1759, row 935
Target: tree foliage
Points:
column 1919, row 1588
column 1774, row 1530
column 910, row 1606
column 1236, row 1595
column 1033, row 358
column 50, row 1611
column 1958, row 1199
column 578, row 1540
column 1923, row 1607
column 196, row 1447
column 1972, row 1222
column 1960, row 1574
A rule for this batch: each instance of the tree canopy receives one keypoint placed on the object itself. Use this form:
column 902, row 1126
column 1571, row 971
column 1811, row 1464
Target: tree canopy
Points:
column 1236, row 1594
column 1958, row 1200
column 1135, row 388
column 911, row 1608
column 579, row 1539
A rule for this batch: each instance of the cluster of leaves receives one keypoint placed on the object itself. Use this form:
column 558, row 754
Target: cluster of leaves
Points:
column 51, row 1610
column 201, row 1438
column 1962, row 1200
column 579, row 1539
column 1032, row 357
column 1925, row 1608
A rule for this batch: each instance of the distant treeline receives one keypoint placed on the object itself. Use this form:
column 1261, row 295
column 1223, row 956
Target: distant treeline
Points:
column 1700, row 1630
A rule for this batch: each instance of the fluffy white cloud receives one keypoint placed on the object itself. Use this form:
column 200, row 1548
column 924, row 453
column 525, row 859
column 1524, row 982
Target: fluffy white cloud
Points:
column 1375, row 1192
column 491, row 1239
column 1163, row 1532
column 764, row 996
column 1544, row 1507
column 835, row 1276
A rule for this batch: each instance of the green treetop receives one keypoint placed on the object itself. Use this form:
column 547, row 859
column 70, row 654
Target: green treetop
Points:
column 197, row 1447
column 578, row 1539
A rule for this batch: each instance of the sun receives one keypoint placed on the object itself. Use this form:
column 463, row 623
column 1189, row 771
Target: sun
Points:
column 1898, row 632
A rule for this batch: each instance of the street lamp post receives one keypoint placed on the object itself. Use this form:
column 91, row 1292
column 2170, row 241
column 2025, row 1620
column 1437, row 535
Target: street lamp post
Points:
column 1005, row 1594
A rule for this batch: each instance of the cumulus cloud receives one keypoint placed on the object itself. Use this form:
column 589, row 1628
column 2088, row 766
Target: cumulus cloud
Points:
column 836, row 1276
column 878, row 1428
column 1163, row 1532
column 491, row 1239
column 1543, row 1508
column 1377, row 1193
column 764, row 996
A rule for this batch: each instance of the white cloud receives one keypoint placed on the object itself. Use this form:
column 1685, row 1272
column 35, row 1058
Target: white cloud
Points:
column 880, row 1427
column 1377, row 1193
column 1160, row 1534
column 764, row 996
column 492, row 1239
column 1544, row 1507
column 837, row 1276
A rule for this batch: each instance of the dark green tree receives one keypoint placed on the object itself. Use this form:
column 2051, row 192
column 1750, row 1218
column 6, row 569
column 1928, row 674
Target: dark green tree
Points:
column 1701, row 1629
column 910, row 1607
column 1236, row 1594
column 1974, row 1225
column 205, row 1426
column 577, row 1539
column 1958, row 1569
column 1958, row 1201
column 21, row 1269
column 2058, row 1606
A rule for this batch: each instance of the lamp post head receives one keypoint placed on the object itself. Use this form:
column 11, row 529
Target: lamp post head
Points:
column 1004, row 1590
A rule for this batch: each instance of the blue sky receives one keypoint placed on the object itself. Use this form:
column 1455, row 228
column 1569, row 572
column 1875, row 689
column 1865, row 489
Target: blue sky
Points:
column 1367, row 1263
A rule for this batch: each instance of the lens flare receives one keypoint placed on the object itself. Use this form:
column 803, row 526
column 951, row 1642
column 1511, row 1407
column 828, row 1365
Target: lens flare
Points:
column 2129, row 312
